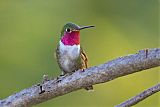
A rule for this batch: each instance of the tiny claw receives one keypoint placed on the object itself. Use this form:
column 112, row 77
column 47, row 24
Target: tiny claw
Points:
column 62, row 75
column 58, row 80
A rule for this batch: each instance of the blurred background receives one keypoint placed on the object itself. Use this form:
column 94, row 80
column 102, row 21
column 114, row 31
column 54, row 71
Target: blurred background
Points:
column 30, row 31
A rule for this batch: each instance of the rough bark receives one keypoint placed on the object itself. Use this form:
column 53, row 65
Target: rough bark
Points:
column 144, row 59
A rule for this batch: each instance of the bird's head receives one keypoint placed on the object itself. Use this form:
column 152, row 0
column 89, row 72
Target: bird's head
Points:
column 70, row 34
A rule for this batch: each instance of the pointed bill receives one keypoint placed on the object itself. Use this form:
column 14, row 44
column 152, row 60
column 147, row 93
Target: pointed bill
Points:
column 84, row 27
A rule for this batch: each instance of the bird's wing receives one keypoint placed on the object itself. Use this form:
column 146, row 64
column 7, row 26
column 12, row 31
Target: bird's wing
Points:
column 85, row 64
column 84, row 58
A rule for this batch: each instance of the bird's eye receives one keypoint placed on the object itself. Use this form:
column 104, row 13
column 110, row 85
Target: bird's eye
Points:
column 68, row 30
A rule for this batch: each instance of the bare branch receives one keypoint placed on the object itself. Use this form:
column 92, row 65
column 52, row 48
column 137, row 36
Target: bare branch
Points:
column 140, row 96
column 119, row 67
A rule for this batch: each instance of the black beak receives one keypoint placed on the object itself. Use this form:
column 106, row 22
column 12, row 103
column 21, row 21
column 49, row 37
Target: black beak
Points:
column 84, row 27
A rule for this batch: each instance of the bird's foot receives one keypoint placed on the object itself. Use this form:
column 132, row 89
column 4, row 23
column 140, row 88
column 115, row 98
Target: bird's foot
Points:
column 60, row 77
column 63, row 75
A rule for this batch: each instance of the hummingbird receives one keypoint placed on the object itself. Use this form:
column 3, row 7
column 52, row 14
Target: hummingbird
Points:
column 69, row 54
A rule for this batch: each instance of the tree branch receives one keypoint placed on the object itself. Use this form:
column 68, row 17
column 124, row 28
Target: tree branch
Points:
column 140, row 96
column 119, row 67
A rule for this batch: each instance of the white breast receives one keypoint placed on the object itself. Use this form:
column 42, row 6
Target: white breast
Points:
column 69, row 53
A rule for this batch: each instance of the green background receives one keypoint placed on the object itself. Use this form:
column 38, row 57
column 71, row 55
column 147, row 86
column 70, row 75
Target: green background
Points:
column 30, row 31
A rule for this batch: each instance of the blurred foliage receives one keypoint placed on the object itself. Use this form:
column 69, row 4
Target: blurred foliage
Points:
column 29, row 33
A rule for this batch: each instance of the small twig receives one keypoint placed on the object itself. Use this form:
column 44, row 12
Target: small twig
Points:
column 146, row 51
column 41, row 90
column 140, row 96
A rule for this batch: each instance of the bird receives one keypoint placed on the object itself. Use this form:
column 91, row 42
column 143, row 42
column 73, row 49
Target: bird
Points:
column 69, row 53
